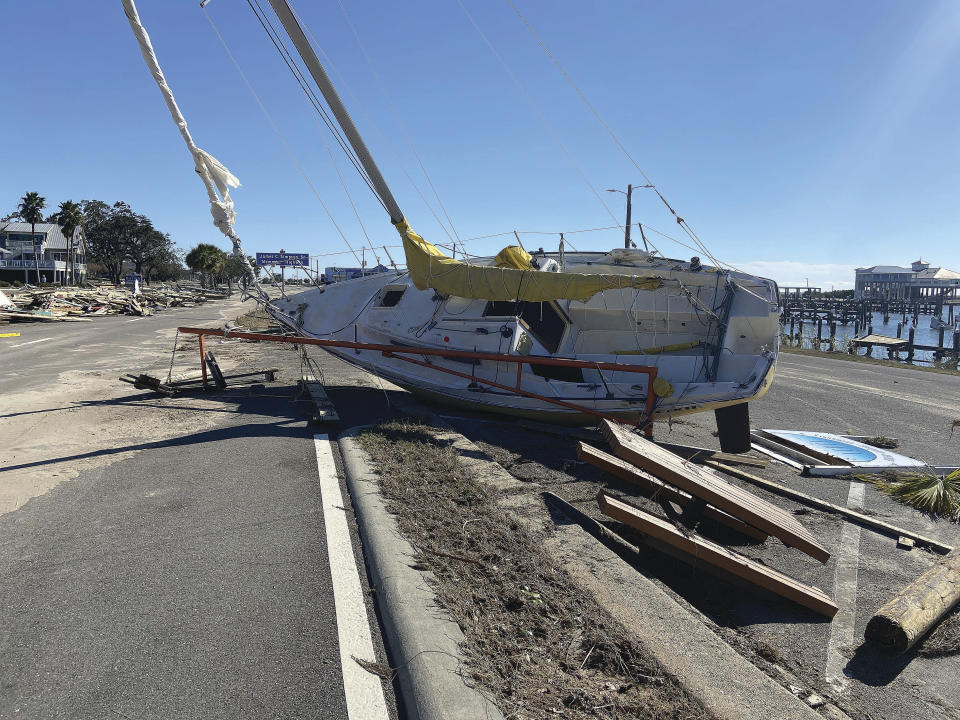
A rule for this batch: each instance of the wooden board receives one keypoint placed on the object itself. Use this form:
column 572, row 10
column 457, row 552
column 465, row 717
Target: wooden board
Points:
column 698, row 454
column 860, row 518
column 701, row 550
column 796, row 454
column 625, row 471
column 706, row 484
column 326, row 411
column 214, row 368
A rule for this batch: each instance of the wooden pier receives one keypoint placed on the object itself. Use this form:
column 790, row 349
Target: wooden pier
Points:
column 802, row 312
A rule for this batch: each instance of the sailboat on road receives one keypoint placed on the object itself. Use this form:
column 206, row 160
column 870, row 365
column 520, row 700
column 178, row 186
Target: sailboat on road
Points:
column 584, row 324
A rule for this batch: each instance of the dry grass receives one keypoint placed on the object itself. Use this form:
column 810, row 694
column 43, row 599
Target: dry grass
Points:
column 256, row 320
column 882, row 441
column 945, row 639
column 938, row 495
column 534, row 642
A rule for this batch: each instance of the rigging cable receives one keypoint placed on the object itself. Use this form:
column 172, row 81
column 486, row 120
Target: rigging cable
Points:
column 356, row 102
column 311, row 96
column 680, row 221
column 352, row 204
column 276, row 130
column 540, row 115
column 396, row 116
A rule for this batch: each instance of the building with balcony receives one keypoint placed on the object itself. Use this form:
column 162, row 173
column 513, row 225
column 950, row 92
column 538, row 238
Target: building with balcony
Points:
column 917, row 282
column 20, row 251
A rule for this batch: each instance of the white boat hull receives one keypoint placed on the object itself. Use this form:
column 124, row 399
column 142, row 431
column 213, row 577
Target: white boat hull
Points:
column 712, row 335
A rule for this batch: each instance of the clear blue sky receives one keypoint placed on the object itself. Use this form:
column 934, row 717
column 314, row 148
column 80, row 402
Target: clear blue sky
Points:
column 799, row 139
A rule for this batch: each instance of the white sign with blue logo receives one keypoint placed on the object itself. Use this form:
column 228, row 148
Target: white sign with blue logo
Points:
column 845, row 449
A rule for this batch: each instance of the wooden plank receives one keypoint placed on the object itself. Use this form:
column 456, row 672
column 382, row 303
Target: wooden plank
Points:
column 326, row 411
column 215, row 371
column 699, row 550
column 625, row 471
column 797, row 455
column 777, row 456
column 698, row 454
column 705, row 483
column 859, row 518
column 838, row 470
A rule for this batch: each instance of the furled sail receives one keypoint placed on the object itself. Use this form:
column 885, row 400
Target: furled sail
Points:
column 216, row 178
column 430, row 268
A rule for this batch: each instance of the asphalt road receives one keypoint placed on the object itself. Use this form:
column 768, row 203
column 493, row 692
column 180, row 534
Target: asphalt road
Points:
column 160, row 558
column 916, row 407
column 166, row 558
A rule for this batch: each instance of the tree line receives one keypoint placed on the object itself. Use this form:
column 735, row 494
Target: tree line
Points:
column 115, row 236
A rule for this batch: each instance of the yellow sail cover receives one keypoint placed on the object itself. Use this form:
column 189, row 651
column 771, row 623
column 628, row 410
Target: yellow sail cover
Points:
column 430, row 268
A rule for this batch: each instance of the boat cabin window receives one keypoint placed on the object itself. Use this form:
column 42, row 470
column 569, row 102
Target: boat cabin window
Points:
column 389, row 297
column 543, row 319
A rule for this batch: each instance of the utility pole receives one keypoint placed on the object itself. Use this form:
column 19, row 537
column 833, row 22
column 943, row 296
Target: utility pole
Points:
column 626, row 232
column 626, row 229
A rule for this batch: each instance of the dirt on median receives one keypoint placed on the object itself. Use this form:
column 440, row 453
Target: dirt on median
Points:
column 537, row 644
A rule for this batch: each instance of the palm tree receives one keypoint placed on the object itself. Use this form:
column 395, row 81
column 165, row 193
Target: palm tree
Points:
column 206, row 259
column 70, row 218
column 30, row 209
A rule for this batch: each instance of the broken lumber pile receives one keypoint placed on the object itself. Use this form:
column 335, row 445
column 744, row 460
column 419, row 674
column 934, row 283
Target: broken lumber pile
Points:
column 659, row 489
column 702, row 493
column 708, row 485
column 58, row 304
column 899, row 624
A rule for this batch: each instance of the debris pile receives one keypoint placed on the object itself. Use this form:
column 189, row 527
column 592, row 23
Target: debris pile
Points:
column 79, row 304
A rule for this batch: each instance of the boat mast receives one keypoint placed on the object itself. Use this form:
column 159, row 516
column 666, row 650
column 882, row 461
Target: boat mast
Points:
column 299, row 40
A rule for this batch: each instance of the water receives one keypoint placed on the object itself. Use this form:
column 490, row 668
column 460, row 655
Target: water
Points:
column 923, row 335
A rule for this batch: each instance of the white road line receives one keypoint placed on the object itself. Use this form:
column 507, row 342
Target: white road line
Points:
column 29, row 343
column 363, row 689
column 845, row 595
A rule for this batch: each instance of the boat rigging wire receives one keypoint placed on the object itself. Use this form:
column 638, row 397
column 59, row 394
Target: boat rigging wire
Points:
column 318, row 108
column 276, row 130
column 352, row 204
column 680, row 221
column 342, row 81
column 311, row 96
column 606, row 127
column 397, row 117
column 539, row 113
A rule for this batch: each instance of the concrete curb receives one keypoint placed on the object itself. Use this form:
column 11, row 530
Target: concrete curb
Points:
column 422, row 638
column 728, row 684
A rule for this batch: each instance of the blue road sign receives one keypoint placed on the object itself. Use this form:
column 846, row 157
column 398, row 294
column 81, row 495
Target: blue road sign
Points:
column 283, row 259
